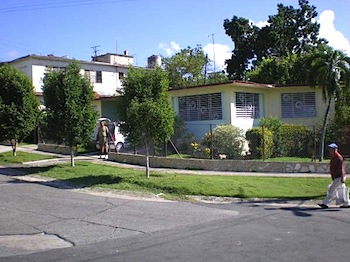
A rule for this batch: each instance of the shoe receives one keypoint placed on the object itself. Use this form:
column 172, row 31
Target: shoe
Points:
column 344, row 206
column 323, row 205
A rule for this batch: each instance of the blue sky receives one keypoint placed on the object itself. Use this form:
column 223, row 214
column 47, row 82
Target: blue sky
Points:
column 144, row 27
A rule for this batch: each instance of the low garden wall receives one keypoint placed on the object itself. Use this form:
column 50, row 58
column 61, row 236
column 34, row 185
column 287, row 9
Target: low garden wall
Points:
column 53, row 148
column 223, row 165
column 207, row 164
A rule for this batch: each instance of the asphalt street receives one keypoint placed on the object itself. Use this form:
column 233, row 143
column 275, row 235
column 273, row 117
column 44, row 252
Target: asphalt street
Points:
column 45, row 221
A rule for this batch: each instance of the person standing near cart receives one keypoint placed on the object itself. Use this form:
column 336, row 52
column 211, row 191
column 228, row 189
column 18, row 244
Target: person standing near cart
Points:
column 338, row 174
column 102, row 138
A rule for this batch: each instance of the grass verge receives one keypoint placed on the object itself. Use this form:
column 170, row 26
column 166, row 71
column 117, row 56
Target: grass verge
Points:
column 86, row 174
column 21, row 157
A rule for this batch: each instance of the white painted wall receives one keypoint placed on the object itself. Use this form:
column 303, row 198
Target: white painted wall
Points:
column 35, row 68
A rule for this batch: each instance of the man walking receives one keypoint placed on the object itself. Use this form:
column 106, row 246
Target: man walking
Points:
column 338, row 174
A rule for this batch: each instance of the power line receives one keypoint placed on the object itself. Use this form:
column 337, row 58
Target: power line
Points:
column 60, row 4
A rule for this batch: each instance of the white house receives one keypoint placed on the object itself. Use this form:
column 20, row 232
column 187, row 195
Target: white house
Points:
column 105, row 73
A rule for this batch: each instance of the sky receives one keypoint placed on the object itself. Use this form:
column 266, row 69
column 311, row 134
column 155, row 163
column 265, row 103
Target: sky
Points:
column 77, row 28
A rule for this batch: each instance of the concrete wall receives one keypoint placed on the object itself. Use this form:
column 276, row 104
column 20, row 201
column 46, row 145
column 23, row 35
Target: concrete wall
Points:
column 207, row 164
column 53, row 148
column 223, row 165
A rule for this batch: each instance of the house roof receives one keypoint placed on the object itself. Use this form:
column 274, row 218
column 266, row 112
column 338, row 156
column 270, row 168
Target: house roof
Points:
column 59, row 58
column 239, row 83
column 230, row 83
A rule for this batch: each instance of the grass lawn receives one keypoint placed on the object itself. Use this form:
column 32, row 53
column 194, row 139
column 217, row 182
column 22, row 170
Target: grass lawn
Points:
column 86, row 174
column 7, row 158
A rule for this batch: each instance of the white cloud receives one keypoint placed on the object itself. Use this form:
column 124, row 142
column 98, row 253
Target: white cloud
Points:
column 171, row 48
column 221, row 52
column 259, row 24
column 328, row 31
column 175, row 46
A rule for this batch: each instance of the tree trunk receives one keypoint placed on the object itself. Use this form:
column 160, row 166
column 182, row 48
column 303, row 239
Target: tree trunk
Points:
column 72, row 164
column 147, row 161
column 14, row 144
column 323, row 133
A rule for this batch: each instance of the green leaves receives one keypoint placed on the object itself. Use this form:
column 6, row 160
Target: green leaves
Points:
column 186, row 68
column 18, row 105
column 290, row 31
column 68, row 99
column 148, row 115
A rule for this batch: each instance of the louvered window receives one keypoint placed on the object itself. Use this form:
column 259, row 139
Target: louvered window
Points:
column 247, row 105
column 200, row 107
column 298, row 105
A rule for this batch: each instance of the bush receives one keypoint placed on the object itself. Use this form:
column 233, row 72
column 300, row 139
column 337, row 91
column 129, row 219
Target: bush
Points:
column 227, row 140
column 274, row 124
column 295, row 140
column 260, row 142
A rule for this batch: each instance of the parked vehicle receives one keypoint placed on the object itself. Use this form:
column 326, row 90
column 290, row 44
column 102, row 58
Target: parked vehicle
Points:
column 117, row 140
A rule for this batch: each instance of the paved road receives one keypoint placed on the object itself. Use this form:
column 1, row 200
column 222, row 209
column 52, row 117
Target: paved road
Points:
column 39, row 222
column 42, row 222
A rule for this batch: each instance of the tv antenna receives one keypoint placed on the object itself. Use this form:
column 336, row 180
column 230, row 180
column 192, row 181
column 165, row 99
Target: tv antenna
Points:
column 95, row 49
column 212, row 37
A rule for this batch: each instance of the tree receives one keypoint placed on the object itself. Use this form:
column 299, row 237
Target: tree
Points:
column 330, row 71
column 342, row 110
column 243, row 34
column 290, row 31
column 148, row 115
column 18, row 106
column 186, row 67
column 285, row 70
column 68, row 99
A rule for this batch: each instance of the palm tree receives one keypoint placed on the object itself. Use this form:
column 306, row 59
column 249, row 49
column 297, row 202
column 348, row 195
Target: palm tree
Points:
column 330, row 71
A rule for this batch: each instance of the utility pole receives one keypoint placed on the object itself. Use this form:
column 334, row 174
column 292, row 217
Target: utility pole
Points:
column 212, row 37
column 95, row 49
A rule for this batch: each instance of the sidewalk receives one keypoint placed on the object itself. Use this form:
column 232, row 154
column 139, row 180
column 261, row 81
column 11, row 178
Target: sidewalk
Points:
column 94, row 158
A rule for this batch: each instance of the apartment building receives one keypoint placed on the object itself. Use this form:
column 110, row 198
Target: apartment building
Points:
column 105, row 72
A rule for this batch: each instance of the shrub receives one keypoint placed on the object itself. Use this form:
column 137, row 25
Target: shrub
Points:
column 227, row 140
column 274, row 124
column 295, row 140
column 260, row 142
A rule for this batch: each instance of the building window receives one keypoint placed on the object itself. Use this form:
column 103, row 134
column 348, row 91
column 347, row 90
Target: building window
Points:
column 87, row 74
column 121, row 76
column 298, row 105
column 94, row 76
column 247, row 105
column 200, row 107
column 91, row 75
column 98, row 76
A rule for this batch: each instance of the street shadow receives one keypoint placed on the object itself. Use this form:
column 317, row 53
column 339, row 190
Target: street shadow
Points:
column 307, row 211
column 70, row 183
column 73, row 183
column 20, row 170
